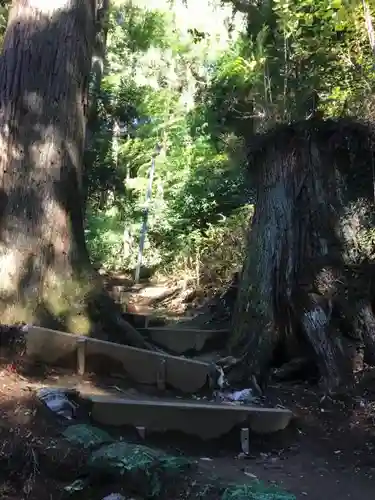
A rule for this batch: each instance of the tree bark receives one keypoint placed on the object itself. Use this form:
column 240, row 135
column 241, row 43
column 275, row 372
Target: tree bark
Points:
column 369, row 25
column 45, row 272
column 97, row 65
column 308, row 268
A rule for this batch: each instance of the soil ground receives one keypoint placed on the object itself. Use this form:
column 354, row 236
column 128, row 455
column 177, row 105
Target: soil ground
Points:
column 327, row 452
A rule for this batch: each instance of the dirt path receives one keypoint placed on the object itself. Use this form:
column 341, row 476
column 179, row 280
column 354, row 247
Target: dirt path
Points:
column 328, row 452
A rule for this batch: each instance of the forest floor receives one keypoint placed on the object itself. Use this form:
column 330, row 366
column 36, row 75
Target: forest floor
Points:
column 327, row 452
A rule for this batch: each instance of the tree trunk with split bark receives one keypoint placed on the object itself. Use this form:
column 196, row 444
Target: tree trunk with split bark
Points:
column 45, row 272
column 306, row 285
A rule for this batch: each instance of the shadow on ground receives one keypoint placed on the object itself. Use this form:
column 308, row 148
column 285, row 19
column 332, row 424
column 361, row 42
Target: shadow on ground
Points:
column 330, row 443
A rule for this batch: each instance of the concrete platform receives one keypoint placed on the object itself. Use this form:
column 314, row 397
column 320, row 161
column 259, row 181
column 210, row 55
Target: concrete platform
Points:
column 182, row 340
column 100, row 357
column 203, row 419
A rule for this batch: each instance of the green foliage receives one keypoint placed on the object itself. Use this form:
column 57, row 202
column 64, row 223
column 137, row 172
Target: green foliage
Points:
column 296, row 58
column 210, row 257
column 198, row 78
column 4, row 7
column 152, row 97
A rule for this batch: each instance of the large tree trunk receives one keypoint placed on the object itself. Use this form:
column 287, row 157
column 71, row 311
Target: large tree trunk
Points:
column 307, row 275
column 45, row 271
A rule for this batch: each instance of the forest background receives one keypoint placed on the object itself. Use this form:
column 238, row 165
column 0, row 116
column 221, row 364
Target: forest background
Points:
column 189, row 83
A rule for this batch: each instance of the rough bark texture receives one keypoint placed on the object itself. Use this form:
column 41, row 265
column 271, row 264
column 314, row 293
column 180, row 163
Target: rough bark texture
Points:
column 93, row 119
column 45, row 272
column 97, row 65
column 306, row 281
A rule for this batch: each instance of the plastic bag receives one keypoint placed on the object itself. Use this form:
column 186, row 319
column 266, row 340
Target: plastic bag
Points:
column 57, row 400
column 114, row 496
column 244, row 396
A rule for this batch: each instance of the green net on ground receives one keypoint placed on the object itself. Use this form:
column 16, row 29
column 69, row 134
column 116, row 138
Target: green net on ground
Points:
column 86, row 436
column 151, row 472
column 147, row 469
column 255, row 491
column 122, row 457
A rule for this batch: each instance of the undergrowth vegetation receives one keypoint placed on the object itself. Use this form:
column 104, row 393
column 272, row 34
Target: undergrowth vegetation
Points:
column 152, row 105
column 187, row 83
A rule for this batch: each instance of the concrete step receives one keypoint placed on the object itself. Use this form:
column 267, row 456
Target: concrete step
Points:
column 204, row 419
column 182, row 340
column 86, row 354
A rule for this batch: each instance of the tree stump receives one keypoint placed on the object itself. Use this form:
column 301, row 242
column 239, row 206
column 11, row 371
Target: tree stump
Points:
column 307, row 276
